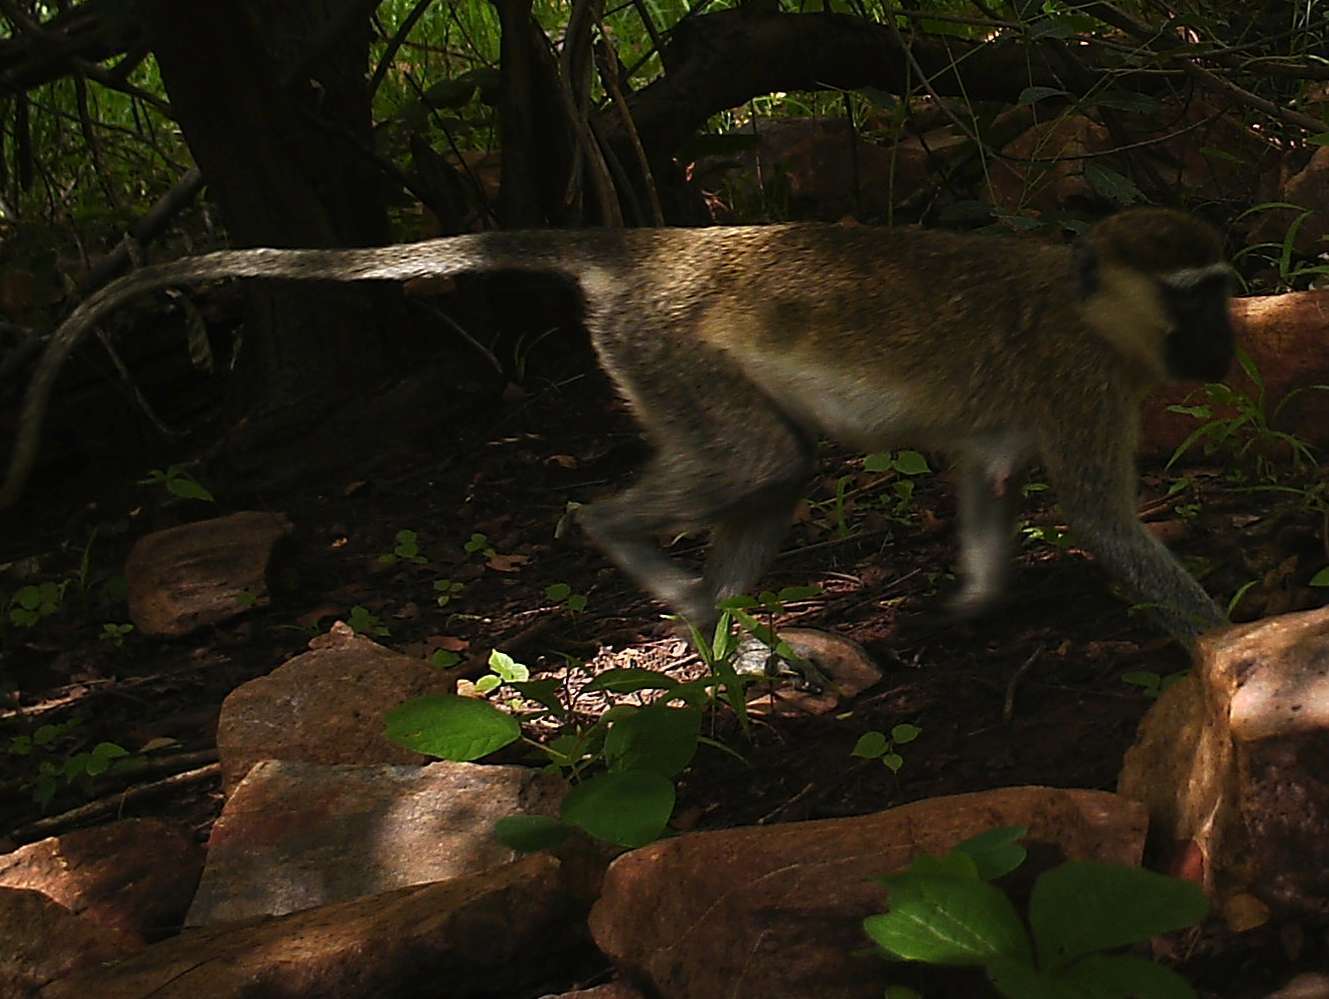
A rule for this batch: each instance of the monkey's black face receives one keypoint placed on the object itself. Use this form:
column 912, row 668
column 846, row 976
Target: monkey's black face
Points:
column 1201, row 345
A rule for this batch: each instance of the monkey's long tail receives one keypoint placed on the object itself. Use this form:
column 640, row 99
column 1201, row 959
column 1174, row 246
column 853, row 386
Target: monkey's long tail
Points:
column 568, row 252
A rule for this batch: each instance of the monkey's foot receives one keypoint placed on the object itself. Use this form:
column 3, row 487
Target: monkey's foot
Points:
column 755, row 658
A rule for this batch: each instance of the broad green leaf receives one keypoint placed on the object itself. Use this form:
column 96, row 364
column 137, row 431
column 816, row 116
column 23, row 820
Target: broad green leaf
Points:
column 558, row 591
column 893, row 762
column 942, row 919
column 905, row 733
column 630, row 808
column 953, row 864
column 658, row 739
column 911, row 463
column 1032, row 95
column 879, row 461
column 487, row 683
column 995, row 852
column 791, row 593
column 628, row 681
column 1105, row 976
column 1112, row 185
column 1085, row 906
column 528, row 833
column 543, row 692
column 451, row 727
column 1321, row 578
column 870, row 745
column 1021, row 980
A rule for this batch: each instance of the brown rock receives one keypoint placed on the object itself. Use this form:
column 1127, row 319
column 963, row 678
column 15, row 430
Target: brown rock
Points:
column 135, row 876
column 296, row 835
column 492, row 934
column 777, row 910
column 1230, row 763
column 197, row 574
column 845, row 664
column 44, row 941
column 610, row 990
column 325, row 706
column 1308, row 188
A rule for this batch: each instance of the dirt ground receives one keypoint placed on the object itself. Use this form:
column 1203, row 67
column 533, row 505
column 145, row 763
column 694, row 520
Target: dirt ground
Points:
column 1031, row 695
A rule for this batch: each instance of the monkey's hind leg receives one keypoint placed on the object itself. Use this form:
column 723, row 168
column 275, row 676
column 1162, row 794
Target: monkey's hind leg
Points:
column 727, row 458
column 989, row 503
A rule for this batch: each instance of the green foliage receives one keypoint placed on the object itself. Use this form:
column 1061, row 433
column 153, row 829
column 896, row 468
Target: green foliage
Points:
column 407, row 549
column 115, row 633
column 1151, row 683
column 362, row 622
column 622, row 766
column 505, row 670
column 875, row 745
column 447, row 590
column 561, row 593
column 1321, row 578
column 35, row 602
column 944, row 910
column 478, row 544
column 1248, row 435
column 55, row 759
column 177, row 481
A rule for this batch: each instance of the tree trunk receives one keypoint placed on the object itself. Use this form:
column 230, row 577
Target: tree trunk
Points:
column 282, row 178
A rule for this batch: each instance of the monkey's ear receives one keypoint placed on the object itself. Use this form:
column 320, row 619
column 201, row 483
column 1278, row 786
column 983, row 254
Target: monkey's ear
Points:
column 1086, row 266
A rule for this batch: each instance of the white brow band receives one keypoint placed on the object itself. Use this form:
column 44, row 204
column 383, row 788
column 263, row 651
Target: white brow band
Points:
column 1189, row 277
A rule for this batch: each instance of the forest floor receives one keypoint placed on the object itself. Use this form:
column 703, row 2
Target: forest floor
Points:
column 1037, row 693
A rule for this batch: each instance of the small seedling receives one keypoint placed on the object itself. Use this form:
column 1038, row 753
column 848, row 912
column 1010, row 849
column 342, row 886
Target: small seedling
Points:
column 447, row 590
column 1082, row 915
column 362, row 622
column 34, row 602
column 505, row 670
column 876, row 745
column 407, row 549
column 478, row 544
column 179, row 483
column 561, row 593
column 115, row 633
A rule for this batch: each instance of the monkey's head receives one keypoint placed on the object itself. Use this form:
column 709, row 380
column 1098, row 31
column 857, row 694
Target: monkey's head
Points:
column 1155, row 285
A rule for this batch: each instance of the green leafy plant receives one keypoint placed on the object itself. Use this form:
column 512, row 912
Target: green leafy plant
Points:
column 447, row 590
column 49, row 748
column 35, row 602
column 362, row 622
column 769, row 604
column 1321, row 578
column 478, row 544
column 1151, row 683
column 407, row 549
column 177, row 481
column 1082, row 914
column 622, row 766
column 1248, row 435
column 561, row 593
column 876, row 745
column 906, row 465
column 505, row 669
column 115, row 633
